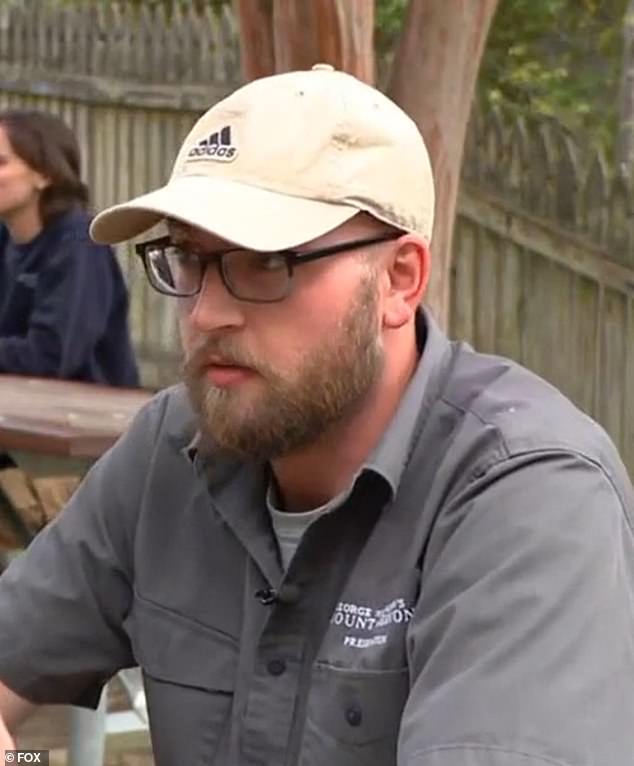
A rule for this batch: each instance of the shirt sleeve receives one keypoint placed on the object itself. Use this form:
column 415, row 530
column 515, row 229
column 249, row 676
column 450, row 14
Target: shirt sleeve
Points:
column 63, row 601
column 521, row 646
column 72, row 305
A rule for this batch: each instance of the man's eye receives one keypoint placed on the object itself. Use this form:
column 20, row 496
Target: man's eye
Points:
column 182, row 257
column 271, row 262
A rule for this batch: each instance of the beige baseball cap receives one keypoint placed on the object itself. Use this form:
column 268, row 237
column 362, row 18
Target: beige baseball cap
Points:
column 285, row 159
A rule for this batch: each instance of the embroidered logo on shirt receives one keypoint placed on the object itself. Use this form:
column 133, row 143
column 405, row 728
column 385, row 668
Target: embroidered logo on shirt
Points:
column 369, row 623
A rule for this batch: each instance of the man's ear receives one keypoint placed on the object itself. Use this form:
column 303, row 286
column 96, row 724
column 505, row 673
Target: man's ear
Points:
column 408, row 274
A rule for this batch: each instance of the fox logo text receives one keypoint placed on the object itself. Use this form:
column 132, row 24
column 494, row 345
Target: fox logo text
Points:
column 27, row 756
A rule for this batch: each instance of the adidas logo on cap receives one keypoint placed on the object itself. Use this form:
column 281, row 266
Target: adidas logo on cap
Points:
column 217, row 146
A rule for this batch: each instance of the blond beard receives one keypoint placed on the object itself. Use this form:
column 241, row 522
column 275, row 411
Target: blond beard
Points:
column 331, row 385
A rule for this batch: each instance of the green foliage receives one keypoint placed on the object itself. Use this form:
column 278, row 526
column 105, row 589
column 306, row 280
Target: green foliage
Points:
column 560, row 58
column 388, row 20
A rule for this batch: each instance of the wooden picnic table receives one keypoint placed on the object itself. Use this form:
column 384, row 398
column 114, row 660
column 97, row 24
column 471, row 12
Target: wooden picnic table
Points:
column 54, row 430
column 60, row 418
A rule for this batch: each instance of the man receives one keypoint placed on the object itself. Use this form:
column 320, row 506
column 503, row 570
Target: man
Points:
column 346, row 540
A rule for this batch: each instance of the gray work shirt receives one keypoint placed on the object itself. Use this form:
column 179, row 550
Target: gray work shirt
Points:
column 470, row 604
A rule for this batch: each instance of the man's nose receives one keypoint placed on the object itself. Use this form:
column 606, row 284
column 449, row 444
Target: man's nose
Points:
column 214, row 307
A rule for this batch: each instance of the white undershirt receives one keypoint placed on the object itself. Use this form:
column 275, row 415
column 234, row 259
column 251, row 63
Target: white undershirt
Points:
column 290, row 527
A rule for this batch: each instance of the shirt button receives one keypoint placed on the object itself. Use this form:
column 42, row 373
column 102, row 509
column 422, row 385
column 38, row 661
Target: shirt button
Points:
column 276, row 667
column 354, row 716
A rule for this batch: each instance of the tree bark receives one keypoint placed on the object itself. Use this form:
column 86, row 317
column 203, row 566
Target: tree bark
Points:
column 345, row 36
column 283, row 35
column 257, row 47
column 433, row 80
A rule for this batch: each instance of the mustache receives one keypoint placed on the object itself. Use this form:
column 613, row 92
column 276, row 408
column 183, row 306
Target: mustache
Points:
column 223, row 350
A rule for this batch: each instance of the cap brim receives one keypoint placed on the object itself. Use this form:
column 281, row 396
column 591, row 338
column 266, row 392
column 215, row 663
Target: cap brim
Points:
column 248, row 216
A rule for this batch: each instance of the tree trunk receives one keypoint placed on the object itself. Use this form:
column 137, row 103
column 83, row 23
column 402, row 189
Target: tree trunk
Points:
column 625, row 143
column 345, row 36
column 257, row 47
column 433, row 80
column 282, row 35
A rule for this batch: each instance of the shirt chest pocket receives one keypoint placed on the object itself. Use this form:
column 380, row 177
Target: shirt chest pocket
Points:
column 353, row 717
column 189, row 674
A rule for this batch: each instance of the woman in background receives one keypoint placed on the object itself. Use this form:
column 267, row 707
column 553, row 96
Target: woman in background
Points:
column 63, row 300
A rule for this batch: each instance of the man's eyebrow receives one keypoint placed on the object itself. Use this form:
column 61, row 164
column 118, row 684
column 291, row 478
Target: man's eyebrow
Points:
column 177, row 232
column 193, row 246
column 179, row 236
column 178, row 239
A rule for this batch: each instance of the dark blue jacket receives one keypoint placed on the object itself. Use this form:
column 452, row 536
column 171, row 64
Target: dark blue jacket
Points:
column 64, row 306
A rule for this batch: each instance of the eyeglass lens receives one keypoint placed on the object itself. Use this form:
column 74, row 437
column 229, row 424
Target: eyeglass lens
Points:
column 248, row 275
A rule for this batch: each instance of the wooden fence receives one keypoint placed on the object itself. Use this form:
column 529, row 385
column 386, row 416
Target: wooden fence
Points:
column 544, row 264
column 544, row 258
column 152, row 44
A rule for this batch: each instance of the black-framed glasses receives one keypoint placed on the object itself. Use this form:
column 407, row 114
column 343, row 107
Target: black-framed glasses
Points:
column 249, row 275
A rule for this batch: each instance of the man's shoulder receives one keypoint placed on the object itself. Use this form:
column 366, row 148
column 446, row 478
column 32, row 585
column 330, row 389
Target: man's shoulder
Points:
column 508, row 410
column 168, row 419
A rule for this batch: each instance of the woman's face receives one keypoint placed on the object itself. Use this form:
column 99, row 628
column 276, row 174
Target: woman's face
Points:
column 20, row 185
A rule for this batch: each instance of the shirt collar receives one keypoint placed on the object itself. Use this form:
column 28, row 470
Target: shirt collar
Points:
column 391, row 455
